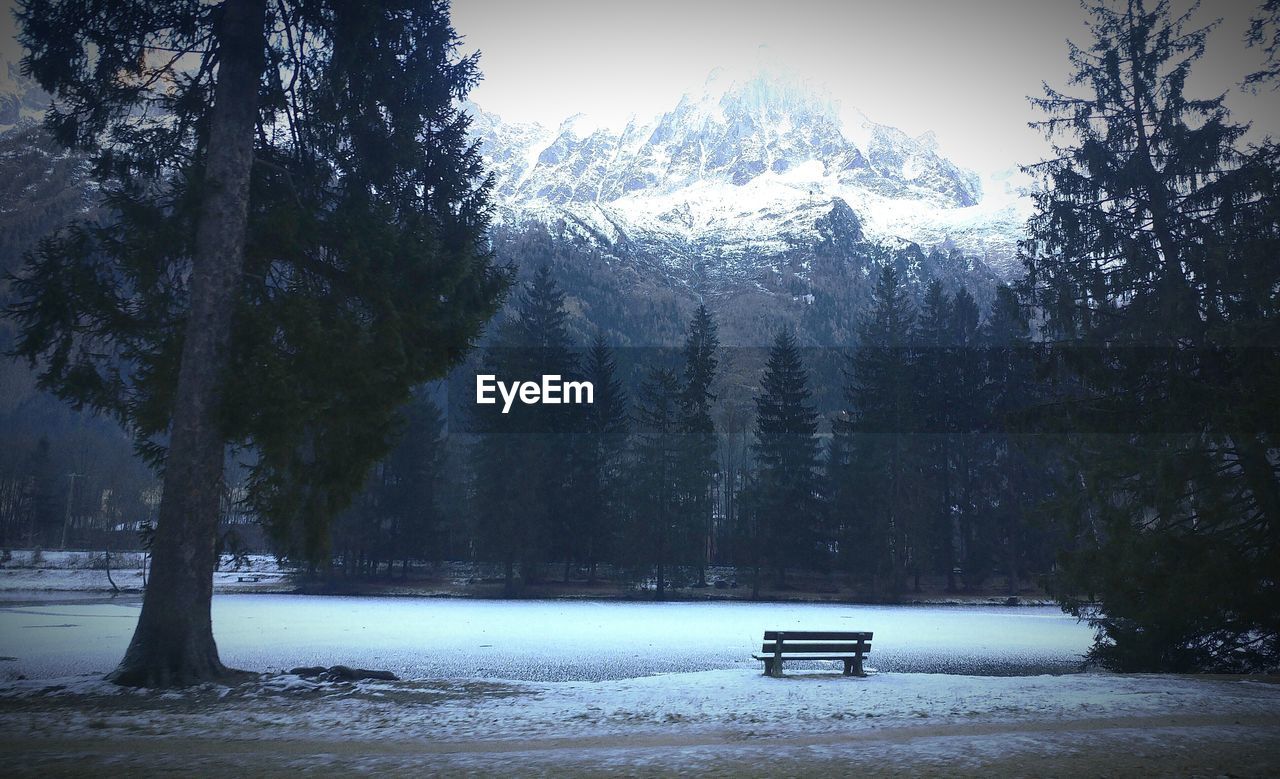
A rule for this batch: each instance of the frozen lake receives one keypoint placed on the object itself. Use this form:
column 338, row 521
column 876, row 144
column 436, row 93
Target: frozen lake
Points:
column 545, row 640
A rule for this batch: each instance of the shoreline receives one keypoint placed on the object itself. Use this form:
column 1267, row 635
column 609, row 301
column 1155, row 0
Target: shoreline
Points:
column 83, row 572
column 18, row 596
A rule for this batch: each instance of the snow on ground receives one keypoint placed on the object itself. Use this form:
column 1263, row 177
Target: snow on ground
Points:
column 725, row 722
column 550, row 640
column 28, row 576
column 585, row 687
column 815, row 702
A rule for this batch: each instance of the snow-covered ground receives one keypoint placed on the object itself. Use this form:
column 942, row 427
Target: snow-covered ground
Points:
column 587, row 687
column 545, row 640
column 31, row 576
column 726, row 722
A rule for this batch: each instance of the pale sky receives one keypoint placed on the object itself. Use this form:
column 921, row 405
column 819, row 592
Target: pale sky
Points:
column 962, row 68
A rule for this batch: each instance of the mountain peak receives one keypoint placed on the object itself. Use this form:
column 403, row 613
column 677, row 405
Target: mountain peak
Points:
column 21, row 100
column 928, row 140
column 751, row 152
column 766, row 91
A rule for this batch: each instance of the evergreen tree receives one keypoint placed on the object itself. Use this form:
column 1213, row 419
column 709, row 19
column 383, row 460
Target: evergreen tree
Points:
column 412, row 473
column 599, row 450
column 970, row 441
column 291, row 239
column 1152, row 255
column 698, row 466
column 875, row 458
column 657, row 532
column 1264, row 32
column 936, row 365
column 523, row 458
column 1016, row 476
column 499, row 494
column 787, row 498
column 541, row 323
column 544, row 349
column 397, row 516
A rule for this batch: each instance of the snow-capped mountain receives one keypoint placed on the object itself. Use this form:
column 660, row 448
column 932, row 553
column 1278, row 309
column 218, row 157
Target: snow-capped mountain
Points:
column 742, row 172
column 21, row 100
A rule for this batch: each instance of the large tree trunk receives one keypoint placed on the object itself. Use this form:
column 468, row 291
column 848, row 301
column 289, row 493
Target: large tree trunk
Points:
column 173, row 642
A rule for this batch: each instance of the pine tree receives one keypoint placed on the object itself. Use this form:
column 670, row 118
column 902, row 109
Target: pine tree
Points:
column 541, row 322
column 1016, row 476
column 499, row 494
column 522, row 459
column 875, row 457
column 970, row 441
column 291, row 240
column 935, row 367
column 1151, row 255
column 657, row 531
column 787, row 498
column 410, row 499
column 1264, row 31
column 698, row 467
column 599, row 449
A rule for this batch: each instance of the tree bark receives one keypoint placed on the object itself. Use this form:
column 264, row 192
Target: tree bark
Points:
column 173, row 643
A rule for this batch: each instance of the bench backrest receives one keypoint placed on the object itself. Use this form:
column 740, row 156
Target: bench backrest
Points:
column 817, row 641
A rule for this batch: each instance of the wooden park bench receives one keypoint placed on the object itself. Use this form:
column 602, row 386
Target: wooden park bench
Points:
column 782, row 645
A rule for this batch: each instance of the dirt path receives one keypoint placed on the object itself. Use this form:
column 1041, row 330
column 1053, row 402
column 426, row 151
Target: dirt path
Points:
column 1136, row 746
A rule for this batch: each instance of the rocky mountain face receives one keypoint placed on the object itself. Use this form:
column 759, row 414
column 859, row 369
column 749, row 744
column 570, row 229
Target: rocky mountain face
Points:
column 42, row 186
column 741, row 172
column 754, row 188
column 21, row 101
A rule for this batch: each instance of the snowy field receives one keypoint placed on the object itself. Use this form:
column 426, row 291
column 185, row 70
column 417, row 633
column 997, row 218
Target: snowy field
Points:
column 545, row 640
column 708, row 723
column 52, row 575
column 563, row 688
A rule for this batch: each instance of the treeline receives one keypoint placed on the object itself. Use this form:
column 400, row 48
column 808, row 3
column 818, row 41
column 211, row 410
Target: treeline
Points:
column 914, row 476
column 81, row 492
column 72, row 481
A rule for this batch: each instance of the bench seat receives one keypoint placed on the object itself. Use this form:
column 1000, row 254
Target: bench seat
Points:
column 849, row 647
column 789, row 656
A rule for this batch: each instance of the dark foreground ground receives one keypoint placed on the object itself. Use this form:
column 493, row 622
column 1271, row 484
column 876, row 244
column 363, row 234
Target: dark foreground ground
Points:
column 717, row 723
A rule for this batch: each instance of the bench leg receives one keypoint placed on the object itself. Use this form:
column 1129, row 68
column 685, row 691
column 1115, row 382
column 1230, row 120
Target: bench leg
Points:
column 773, row 667
column 768, row 668
column 857, row 666
column 848, row 668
